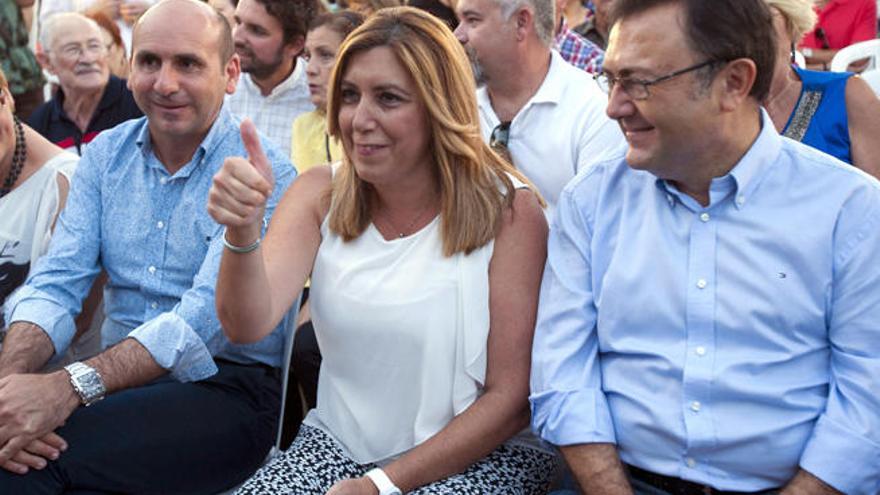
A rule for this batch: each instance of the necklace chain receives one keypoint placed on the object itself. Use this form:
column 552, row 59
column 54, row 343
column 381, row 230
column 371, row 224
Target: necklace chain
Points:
column 18, row 158
column 401, row 233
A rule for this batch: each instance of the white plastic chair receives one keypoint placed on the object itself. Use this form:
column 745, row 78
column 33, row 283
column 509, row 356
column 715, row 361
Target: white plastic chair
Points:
column 864, row 49
column 800, row 60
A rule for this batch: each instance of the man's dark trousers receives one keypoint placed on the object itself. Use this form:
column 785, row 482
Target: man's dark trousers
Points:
column 165, row 438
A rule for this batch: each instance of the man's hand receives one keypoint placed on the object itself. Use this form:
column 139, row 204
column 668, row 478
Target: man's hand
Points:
column 32, row 407
column 37, row 454
column 354, row 486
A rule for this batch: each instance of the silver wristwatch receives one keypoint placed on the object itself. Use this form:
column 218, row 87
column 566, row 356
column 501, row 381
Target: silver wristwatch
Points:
column 383, row 482
column 86, row 381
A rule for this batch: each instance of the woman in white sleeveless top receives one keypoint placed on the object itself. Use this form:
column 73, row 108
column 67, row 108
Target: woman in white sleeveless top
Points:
column 426, row 254
column 34, row 180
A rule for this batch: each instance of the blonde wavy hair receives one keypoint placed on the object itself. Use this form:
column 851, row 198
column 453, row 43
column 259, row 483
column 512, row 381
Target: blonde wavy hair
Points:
column 799, row 16
column 475, row 184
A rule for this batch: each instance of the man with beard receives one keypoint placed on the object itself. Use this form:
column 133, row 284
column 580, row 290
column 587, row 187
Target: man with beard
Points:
column 269, row 35
column 546, row 115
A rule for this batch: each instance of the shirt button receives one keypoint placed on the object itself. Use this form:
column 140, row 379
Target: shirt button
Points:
column 151, row 269
column 154, row 305
column 691, row 462
column 701, row 284
column 704, row 217
column 695, row 406
column 163, row 180
column 160, row 224
column 701, row 351
column 740, row 200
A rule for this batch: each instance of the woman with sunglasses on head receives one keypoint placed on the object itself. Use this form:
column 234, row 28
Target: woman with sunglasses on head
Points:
column 426, row 251
column 837, row 113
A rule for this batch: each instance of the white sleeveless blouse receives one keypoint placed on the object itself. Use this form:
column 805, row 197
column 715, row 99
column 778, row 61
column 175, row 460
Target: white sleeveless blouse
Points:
column 26, row 217
column 403, row 332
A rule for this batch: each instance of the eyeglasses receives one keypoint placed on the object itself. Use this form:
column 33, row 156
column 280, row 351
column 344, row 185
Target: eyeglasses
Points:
column 637, row 89
column 500, row 136
column 75, row 51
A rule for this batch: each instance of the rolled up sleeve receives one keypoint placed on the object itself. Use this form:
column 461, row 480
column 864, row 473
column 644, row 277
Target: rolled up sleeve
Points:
column 844, row 448
column 185, row 339
column 568, row 403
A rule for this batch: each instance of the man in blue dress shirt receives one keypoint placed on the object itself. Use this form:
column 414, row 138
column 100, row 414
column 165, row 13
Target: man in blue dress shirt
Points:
column 185, row 410
column 710, row 311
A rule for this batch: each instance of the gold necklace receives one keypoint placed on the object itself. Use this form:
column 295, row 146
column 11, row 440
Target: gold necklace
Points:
column 401, row 233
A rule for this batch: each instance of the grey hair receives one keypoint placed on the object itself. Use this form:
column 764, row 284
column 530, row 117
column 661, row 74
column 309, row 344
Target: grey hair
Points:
column 543, row 10
column 48, row 29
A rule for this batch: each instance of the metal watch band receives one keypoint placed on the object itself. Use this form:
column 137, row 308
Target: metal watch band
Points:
column 383, row 482
column 86, row 382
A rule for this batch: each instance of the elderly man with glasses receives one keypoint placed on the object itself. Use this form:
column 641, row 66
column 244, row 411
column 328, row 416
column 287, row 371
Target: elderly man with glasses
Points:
column 709, row 312
column 89, row 99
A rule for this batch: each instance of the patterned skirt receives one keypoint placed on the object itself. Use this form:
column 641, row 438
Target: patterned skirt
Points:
column 314, row 462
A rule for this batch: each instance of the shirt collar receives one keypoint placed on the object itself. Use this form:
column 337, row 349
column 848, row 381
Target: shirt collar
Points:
column 552, row 88
column 748, row 172
column 222, row 124
column 550, row 91
column 561, row 32
column 292, row 81
column 111, row 94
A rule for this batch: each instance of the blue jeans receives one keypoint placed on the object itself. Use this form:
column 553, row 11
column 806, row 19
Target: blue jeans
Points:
column 165, row 437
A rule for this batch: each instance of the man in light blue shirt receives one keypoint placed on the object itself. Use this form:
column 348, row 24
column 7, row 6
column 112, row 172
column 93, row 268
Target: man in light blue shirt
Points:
column 710, row 312
column 186, row 411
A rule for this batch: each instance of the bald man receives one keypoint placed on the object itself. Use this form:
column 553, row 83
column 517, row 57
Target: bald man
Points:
column 185, row 410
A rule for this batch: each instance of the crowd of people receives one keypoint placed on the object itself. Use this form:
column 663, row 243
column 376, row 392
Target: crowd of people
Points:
column 616, row 247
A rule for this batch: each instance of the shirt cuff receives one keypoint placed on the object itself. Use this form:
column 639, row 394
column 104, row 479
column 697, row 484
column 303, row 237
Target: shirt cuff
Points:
column 572, row 417
column 30, row 305
column 831, row 452
column 176, row 347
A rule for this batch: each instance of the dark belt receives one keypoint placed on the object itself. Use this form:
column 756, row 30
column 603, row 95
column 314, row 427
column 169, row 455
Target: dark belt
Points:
column 678, row 486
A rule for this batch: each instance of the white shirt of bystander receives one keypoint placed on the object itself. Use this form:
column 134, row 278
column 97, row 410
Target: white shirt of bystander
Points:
column 559, row 131
column 273, row 114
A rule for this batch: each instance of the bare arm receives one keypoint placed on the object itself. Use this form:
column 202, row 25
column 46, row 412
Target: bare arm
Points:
column 597, row 468
column 502, row 411
column 805, row 483
column 863, row 116
column 254, row 290
column 26, row 349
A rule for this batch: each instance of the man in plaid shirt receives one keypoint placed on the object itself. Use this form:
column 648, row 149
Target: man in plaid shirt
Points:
column 574, row 48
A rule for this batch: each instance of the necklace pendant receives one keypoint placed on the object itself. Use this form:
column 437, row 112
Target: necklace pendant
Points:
column 401, row 235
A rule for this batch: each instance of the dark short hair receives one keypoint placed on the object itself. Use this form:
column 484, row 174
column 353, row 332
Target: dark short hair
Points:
column 293, row 15
column 341, row 23
column 224, row 38
column 722, row 30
